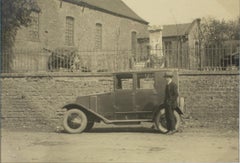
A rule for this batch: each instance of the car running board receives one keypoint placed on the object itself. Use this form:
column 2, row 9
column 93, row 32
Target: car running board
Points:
column 127, row 122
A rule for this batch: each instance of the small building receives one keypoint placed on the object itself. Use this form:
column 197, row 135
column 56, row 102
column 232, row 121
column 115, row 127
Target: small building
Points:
column 173, row 46
column 181, row 44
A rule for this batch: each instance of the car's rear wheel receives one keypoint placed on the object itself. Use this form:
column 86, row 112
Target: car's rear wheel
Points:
column 161, row 122
column 89, row 126
column 75, row 121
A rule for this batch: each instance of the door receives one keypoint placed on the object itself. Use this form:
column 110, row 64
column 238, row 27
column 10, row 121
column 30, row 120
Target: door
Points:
column 124, row 96
column 146, row 95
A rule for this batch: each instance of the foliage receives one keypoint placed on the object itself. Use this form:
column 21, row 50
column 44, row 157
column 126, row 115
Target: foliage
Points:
column 218, row 31
column 65, row 58
column 15, row 14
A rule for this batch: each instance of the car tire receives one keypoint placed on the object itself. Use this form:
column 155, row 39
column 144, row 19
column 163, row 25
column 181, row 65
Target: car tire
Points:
column 89, row 126
column 160, row 121
column 75, row 121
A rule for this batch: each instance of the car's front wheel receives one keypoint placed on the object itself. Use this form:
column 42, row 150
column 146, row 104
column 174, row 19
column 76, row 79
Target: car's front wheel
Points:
column 161, row 122
column 74, row 121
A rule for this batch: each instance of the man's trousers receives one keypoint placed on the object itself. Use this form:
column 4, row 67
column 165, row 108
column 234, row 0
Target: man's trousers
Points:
column 170, row 118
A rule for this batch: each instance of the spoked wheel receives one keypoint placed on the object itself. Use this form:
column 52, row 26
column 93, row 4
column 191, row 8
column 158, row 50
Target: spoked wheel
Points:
column 75, row 121
column 161, row 122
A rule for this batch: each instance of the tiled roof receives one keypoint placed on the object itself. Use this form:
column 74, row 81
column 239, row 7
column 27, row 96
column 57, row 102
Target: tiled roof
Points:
column 176, row 29
column 115, row 7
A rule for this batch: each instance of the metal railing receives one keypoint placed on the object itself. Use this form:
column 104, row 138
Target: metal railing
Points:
column 204, row 58
column 43, row 60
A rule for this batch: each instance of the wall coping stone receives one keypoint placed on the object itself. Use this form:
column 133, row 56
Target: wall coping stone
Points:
column 108, row 74
column 206, row 73
column 54, row 74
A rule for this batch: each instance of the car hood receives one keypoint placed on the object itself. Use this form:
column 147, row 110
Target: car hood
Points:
column 86, row 100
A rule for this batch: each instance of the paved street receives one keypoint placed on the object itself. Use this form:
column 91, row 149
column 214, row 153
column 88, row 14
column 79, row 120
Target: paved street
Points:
column 120, row 144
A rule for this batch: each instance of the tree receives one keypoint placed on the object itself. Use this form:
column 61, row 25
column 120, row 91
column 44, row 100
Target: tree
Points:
column 15, row 14
column 216, row 31
column 218, row 40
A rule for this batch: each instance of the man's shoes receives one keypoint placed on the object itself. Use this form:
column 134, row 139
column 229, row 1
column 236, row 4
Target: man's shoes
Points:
column 153, row 127
column 171, row 132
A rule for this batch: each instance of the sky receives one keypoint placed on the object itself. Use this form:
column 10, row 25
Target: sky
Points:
column 161, row 12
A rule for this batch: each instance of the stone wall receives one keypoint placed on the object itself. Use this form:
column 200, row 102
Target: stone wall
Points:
column 37, row 101
column 116, row 38
column 211, row 99
column 116, row 31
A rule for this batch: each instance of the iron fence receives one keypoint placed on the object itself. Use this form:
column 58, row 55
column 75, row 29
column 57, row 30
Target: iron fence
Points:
column 203, row 59
column 73, row 60
column 62, row 60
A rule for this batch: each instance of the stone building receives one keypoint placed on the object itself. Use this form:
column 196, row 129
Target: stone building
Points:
column 174, row 46
column 181, row 44
column 92, row 26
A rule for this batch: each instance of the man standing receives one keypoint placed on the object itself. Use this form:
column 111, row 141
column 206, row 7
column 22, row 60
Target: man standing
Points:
column 170, row 102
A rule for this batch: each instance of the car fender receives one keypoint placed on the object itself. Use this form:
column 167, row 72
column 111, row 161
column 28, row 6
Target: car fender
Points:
column 161, row 107
column 87, row 111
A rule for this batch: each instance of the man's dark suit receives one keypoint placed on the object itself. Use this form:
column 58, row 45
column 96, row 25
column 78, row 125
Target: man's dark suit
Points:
column 170, row 101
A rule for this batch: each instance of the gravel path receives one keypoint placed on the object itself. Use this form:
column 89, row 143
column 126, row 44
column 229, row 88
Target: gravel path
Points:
column 120, row 144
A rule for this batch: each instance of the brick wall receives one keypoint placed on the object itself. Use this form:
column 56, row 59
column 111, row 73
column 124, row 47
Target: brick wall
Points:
column 36, row 101
column 212, row 99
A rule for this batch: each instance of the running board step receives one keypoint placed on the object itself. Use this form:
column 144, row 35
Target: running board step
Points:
column 126, row 122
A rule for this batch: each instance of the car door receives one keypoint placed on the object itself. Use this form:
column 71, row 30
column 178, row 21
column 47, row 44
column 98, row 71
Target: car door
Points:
column 124, row 95
column 146, row 96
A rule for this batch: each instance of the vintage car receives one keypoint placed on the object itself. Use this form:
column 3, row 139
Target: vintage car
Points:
column 137, row 97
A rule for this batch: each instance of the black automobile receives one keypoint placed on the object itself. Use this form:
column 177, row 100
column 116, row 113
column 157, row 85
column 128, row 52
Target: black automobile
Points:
column 137, row 97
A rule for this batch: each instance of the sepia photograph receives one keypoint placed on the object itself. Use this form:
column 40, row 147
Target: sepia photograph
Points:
column 119, row 81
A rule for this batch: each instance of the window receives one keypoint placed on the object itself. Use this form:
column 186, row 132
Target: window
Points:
column 34, row 27
column 196, row 48
column 98, row 36
column 168, row 45
column 124, row 82
column 145, row 81
column 69, row 31
column 134, row 42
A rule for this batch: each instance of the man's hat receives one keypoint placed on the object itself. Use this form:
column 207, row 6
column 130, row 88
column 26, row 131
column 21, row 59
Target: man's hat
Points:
column 168, row 74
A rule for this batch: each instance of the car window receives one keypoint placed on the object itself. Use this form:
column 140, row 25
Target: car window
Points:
column 145, row 81
column 124, row 82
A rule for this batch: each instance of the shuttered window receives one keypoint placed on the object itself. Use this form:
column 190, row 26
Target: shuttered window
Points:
column 69, row 34
column 134, row 42
column 98, row 36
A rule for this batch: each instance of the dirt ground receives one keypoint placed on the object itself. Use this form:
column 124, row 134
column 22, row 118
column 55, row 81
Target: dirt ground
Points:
column 120, row 144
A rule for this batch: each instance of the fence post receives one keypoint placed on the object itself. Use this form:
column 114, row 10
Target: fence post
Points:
column 231, row 51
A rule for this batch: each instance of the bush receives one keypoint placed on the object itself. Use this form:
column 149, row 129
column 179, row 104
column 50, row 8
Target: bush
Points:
column 63, row 58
